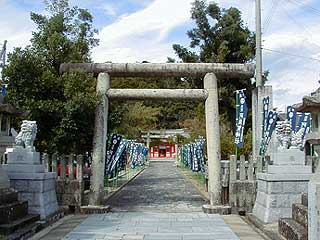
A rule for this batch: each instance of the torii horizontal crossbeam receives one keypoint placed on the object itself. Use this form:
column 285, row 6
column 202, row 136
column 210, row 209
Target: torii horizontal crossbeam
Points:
column 225, row 70
column 157, row 94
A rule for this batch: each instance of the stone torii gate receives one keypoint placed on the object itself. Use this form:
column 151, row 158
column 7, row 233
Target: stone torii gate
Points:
column 210, row 71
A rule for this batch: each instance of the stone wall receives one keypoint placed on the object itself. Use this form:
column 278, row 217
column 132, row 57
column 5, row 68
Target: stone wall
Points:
column 242, row 195
column 70, row 193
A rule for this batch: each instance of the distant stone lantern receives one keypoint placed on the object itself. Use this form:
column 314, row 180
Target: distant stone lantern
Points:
column 7, row 112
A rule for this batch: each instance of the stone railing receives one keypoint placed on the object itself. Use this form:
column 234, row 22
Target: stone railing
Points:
column 71, row 181
column 238, row 179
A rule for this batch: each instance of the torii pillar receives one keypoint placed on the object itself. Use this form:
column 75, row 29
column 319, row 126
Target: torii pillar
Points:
column 213, row 147
column 99, row 141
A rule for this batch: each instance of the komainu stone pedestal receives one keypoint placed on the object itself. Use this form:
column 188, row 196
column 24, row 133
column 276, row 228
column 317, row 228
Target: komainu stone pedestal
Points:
column 281, row 186
column 38, row 189
column 276, row 194
column 33, row 184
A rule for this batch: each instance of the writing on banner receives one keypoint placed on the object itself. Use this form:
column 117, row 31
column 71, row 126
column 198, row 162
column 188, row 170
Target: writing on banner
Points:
column 241, row 116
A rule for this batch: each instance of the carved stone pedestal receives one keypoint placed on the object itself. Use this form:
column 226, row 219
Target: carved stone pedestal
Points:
column 276, row 194
column 281, row 186
column 33, row 184
column 38, row 189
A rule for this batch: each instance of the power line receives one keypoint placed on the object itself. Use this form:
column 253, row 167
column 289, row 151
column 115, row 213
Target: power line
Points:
column 291, row 54
column 272, row 11
column 312, row 9
column 305, row 29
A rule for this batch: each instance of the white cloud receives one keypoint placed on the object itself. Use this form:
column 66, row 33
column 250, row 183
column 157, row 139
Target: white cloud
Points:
column 140, row 35
column 15, row 26
column 143, row 35
column 110, row 9
column 293, row 74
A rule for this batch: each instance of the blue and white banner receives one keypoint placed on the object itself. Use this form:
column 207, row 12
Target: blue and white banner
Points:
column 304, row 124
column 3, row 90
column 292, row 117
column 122, row 153
column 114, row 144
column 241, row 116
column 266, row 104
column 192, row 155
column 270, row 122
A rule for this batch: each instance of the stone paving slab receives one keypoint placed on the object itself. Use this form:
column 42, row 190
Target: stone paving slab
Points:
column 159, row 188
column 159, row 204
column 152, row 226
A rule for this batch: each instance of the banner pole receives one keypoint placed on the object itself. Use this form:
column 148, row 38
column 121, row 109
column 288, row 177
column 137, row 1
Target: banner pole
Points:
column 237, row 119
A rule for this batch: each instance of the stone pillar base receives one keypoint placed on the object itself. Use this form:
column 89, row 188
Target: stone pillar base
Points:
column 276, row 194
column 211, row 209
column 38, row 189
column 94, row 209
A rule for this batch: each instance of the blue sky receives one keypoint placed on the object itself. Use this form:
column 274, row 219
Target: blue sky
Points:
column 137, row 30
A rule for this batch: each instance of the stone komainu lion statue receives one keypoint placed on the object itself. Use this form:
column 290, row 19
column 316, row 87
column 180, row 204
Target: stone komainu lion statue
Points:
column 27, row 134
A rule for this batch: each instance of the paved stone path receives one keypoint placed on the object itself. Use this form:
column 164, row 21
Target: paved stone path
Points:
column 152, row 226
column 158, row 204
column 160, row 188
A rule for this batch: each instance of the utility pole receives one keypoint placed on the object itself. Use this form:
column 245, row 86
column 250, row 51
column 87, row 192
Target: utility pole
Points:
column 3, row 54
column 259, row 92
column 258, row 45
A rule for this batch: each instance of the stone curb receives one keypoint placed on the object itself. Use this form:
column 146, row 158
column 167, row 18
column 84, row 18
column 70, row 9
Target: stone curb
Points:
column 204, row 194
column 123, row 185
column 271, row 234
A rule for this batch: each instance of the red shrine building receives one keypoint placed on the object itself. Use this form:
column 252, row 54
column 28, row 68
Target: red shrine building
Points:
column 158, row 142
column 165, row 150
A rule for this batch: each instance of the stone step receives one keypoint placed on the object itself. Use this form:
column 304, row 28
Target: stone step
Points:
column 25, row 233
column 291, row 230
column 9, row 228
column 300, row 214
column 8, row 196
column 12, row 211
column 304, row 199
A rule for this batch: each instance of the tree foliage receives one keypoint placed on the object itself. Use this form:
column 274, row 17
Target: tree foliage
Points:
column 63, row 106
column 220, row 36
column 137, row 117
column 169, row 114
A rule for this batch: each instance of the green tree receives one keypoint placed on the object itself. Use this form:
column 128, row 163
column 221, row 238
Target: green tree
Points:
column 63, row 106
column 169, row 114
column 136, row 117
column 220, row 36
